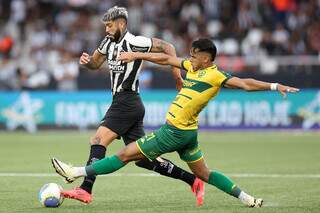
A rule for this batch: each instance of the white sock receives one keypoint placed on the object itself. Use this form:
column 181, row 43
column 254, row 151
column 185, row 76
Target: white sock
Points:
column 246, row 199
column 80, row 171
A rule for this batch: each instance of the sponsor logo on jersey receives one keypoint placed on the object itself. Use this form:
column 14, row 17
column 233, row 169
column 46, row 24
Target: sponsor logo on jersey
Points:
column 138, row 49
column 187, row 83
column 116, row 66
column 198, row 86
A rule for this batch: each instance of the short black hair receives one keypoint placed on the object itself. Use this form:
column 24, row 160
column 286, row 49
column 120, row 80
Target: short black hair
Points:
column 205, row 45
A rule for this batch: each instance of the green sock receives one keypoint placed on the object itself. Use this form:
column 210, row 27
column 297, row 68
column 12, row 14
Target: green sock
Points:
column 105, row 166
column 223, row 183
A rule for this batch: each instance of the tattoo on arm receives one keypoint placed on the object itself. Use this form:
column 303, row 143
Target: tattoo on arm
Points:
column 96, row 140
column 159, row 45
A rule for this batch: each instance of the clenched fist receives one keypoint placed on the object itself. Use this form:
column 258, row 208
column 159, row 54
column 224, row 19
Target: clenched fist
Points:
column 84, row 59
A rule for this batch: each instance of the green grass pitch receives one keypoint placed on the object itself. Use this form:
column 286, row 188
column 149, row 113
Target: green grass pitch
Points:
column 281, row 167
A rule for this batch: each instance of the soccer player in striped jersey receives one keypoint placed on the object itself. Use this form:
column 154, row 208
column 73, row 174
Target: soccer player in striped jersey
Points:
column 124, row 118
column 203, row 82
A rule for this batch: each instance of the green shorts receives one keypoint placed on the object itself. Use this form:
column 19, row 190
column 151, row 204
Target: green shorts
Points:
column 169, row 139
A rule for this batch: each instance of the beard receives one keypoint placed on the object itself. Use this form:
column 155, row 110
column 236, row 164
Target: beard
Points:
column 116, row 36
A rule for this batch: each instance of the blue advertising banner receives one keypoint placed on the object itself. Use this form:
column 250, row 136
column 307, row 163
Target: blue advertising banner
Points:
column 231, row 109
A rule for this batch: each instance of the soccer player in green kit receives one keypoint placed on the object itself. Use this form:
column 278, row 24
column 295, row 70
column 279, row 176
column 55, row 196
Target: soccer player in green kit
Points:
column 203, row 82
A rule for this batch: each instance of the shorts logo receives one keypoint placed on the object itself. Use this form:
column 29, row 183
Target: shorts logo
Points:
column 192, row 152
column 152, row 153
column 142, row 140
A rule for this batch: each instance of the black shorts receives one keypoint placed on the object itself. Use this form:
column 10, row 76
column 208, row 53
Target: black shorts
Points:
column 125, row 116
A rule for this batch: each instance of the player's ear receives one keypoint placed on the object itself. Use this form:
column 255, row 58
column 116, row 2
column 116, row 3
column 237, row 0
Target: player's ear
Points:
column 207, row 58
column 122, row 23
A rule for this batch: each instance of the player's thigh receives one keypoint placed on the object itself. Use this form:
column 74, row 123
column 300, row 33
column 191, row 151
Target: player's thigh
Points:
column 191, row 152
column 149, row 145
column 200, row 169
column 135, row 132
column 158, row 142
column 103, row 136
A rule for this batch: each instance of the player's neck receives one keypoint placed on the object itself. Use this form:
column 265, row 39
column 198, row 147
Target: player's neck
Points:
column 122, row 35
column 206, row 65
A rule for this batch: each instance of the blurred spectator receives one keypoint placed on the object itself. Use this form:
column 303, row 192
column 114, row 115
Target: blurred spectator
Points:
column 6, row 44
column 135, row 11
column 66, row 72
column 145, row 78
column 33, row 81
column 282, row 7
column 313, row 37
column 8, row 79
column 18, row 17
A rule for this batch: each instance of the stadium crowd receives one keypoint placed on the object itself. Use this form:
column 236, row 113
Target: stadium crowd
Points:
column 41, row 40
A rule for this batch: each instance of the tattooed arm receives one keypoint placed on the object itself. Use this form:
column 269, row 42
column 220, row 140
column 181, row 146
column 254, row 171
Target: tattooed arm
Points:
column 161, row 46
column 92, row 62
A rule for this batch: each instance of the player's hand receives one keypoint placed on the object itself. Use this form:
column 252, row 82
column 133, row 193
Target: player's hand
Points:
column 286, row 89
column 84, row 59
column 126, row 57
column 179, row 83
column 177, row 76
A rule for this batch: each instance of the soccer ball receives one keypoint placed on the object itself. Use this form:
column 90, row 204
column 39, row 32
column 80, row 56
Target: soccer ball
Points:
column 49, row 195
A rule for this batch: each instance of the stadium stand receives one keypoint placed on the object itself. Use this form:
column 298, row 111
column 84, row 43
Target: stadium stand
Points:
column 40, row 41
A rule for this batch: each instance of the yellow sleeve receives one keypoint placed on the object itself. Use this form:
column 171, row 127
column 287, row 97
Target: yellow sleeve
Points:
column 222, row 77
column 186, row 65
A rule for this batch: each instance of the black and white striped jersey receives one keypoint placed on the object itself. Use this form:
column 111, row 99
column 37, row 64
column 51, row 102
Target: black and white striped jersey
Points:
column 124, row 76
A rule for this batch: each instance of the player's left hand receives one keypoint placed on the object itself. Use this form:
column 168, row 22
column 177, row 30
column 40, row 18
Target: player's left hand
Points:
column 286, row 89
column 126, row 57
column 179, row 83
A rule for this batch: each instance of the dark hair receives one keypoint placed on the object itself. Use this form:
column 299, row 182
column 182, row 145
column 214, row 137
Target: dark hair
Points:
column 205, row 45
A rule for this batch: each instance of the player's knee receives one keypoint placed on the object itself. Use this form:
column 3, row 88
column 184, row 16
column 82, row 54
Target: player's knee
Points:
column 95, row 140
column 124, row 156
column 203, row 174
column 98, row 140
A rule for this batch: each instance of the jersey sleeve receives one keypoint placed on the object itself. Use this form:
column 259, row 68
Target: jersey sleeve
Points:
column 141, row 44
column 103, row 47
column 222, row 77
column 186, row 65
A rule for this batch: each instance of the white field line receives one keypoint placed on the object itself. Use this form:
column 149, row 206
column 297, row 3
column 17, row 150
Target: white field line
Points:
column 238, row 175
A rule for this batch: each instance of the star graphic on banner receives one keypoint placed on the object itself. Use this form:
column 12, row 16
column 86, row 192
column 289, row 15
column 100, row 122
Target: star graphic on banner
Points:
column 23, row 112
column 311, row 113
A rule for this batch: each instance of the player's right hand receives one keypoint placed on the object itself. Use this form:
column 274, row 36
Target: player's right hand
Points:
column 283, row 89
column 84, row 59
column 179, row 83
column 126, row 57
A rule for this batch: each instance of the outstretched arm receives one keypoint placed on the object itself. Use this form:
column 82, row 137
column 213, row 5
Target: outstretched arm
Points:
column 161, row 46
column 250, row 84
column 158, row 58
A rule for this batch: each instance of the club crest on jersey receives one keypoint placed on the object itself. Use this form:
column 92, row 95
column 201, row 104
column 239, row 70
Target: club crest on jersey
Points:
column 201, row 73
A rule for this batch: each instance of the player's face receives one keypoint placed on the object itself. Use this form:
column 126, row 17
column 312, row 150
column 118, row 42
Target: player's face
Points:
column 195, row 59
column 113, row 30
column 199, row 60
